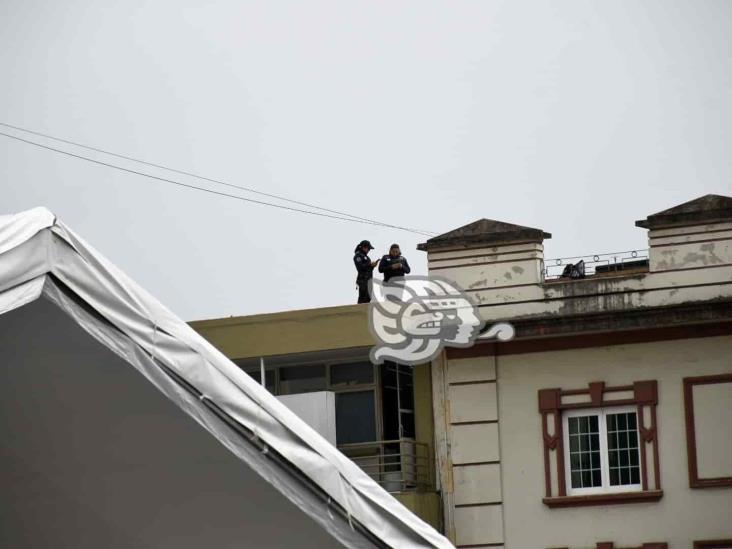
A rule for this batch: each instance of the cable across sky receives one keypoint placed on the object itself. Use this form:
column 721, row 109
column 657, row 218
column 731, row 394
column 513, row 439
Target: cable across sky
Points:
column 329, row 213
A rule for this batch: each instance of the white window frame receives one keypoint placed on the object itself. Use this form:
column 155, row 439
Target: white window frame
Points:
column 604, row 465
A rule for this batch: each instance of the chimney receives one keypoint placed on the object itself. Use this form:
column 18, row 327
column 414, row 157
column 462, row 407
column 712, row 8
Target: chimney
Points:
column 693, row 235
column 490, row 259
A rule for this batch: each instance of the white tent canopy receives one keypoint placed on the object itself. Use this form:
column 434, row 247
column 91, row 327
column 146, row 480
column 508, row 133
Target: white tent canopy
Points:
column 92, row 456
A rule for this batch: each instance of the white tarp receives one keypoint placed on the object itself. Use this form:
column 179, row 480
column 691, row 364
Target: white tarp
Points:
column 41, row 258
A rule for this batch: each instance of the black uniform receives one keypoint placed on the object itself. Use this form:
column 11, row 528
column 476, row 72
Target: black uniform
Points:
column 365, row 273
column 385, row 266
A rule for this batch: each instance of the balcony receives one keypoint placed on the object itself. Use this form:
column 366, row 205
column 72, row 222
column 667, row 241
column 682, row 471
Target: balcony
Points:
column 397, row 465
column 403, row 468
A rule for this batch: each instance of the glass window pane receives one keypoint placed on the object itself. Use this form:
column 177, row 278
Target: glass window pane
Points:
column 355, row 421
column 302, row 379
column 576, row 480
column 623, row 449
column 584, row 451
column 406, row 397
column 390, row 413
column 388, row 374
column 269, row 376
column 355, row 373
column 586, row 479
column 596, row 477
column 635, row 475
column 573, row 444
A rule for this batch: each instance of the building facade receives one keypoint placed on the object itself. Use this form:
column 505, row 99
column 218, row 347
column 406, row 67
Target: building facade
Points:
column 606, row 422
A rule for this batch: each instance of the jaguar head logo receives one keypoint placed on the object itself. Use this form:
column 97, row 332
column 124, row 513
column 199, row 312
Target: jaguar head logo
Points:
column 413, row 318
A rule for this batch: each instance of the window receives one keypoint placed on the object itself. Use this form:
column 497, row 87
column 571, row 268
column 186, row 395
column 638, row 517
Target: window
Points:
column 372, row 403
column 355, row 417
column 349, row 374
column 302, row 379
column 398, row 401
column 601, row 451
column 269, row 377
column 600, row 444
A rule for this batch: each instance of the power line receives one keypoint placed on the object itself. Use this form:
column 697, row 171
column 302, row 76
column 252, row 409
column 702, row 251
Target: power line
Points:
column 211, row 191
column 212, row 180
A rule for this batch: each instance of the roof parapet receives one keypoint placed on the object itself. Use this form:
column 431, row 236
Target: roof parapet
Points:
column 710, row 208
column 484, row 232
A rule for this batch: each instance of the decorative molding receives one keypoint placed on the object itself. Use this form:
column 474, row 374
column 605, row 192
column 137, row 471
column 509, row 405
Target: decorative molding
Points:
column 603, row 499
column 713, row 544
column 542, row 335
column 694, row 480
column 598, row 395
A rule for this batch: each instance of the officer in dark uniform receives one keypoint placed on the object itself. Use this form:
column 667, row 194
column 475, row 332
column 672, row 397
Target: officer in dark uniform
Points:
column 365, row 269
column 394, row 264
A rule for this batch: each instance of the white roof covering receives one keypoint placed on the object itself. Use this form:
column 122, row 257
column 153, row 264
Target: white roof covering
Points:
column 42, row 258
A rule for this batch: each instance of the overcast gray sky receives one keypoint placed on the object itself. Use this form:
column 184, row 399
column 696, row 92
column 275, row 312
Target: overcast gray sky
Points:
column 576, row 117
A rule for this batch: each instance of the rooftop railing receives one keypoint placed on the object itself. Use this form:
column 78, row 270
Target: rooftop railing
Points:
column 397, row 465
column 597, row 264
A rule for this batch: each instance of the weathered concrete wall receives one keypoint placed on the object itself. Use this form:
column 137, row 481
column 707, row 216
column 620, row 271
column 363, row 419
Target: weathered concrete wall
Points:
column 683, row 514
column 687, row 264
column 690, row 247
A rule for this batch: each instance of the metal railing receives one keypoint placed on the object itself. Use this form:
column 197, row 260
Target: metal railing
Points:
column 397, row 465
column 597, row 264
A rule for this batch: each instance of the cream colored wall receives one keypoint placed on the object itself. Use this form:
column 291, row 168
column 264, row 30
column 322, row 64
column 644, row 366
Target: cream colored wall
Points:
column 681, row 516
column 466, row 434
column 712, row 408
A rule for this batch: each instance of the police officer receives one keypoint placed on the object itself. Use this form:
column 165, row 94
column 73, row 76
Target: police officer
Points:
column 365, row 269
column 394, row 264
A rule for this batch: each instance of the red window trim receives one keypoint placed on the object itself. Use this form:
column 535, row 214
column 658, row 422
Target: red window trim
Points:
column 694, row 480
column 551, row 405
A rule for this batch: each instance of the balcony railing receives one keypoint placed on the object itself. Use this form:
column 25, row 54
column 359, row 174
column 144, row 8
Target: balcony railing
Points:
column 397, row 465
column 597, row 264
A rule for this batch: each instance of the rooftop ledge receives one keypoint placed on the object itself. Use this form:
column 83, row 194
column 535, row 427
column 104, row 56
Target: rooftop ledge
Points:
column 595, row 266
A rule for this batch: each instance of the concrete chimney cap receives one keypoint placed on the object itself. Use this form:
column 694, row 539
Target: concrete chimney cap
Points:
column 484, row 232
column 709, row 208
